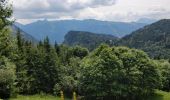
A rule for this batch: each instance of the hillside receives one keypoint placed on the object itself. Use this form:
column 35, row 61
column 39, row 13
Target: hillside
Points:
column 153, row 39
column 88, row 39
column 25, row 35
column 56, row 30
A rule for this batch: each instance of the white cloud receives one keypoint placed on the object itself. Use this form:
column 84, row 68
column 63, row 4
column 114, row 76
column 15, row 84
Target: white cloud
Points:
column 115, row 10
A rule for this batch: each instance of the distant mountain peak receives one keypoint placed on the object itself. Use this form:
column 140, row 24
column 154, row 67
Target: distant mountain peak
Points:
column 146, row 20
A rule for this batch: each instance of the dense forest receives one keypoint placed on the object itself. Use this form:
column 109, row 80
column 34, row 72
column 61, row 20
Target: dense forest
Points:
column 153, row 39
column 106, row 73
column 88, row 40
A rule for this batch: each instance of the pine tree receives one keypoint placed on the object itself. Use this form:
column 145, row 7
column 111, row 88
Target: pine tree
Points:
column 57, row 48
column 47, row 44
column 20, row 41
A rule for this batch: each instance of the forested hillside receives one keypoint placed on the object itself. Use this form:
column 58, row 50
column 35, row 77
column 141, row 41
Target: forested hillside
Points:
column 88, row 40
column 153, row 39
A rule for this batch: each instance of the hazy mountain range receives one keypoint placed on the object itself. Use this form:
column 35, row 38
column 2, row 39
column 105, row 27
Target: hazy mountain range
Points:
column 154, row 39
column 24, row 35
column 56, row 30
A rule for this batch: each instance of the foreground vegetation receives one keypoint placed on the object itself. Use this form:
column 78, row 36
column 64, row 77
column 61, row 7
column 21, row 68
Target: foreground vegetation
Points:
column 36, row 97
column 159, row 95
column 105, row 73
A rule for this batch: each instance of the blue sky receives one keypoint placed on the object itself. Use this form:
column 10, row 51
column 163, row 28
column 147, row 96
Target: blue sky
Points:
column 26, row 11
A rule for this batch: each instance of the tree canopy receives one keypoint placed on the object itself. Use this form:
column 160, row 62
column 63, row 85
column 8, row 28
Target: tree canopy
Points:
column 118, row 72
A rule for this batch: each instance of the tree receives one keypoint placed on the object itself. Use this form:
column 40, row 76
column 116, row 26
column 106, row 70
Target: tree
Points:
column 7, row 78
column 164, row 67
column 7, row 54
column 20, row 41
column 57, row 48
column 5, row 37
column 41, row 68
column 5, row 12
column 80, row 51
column 46, row 44
column 118, row 72
column 6, row 45
column 70, row 74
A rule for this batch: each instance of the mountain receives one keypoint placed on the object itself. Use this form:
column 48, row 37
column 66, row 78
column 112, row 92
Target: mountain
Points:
column 25, row 35
column 56, row 30
column 88, row 39
column 153, row 39
column 19, row 25
column 147, row 20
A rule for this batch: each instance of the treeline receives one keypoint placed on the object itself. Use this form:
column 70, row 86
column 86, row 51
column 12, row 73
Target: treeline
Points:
column 105, row 73
column 27, row 68
column 46, row 68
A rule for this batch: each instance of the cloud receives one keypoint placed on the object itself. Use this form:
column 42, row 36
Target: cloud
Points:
column 58, row 5
column 37, row 9
column 114, row 10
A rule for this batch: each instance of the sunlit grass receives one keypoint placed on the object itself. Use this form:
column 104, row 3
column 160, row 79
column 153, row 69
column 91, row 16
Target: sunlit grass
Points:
column 37, row 97
column 160, row 95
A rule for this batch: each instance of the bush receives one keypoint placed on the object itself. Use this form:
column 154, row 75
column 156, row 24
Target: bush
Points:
column 118, row 72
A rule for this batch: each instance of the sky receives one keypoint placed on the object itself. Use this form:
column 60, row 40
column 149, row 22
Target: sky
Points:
column 27, row 11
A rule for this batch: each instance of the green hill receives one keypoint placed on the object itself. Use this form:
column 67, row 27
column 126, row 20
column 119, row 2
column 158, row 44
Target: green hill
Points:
column 153, row 39
column 88, row 39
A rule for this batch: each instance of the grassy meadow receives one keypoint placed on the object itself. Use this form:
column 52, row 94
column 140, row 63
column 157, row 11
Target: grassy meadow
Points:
column 160, row 95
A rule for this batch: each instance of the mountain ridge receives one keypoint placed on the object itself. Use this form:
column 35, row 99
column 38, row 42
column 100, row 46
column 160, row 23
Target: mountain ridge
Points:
column 153, row 39
column 24, row 35
column 56, row 30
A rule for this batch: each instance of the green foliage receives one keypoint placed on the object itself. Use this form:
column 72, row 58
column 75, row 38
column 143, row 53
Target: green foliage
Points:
column 70, row 58
column 5, row 12
column 6, row 43
column 70, row 75
column 7, row 78
column 118, row 72
column 7, row 54
column 40, row 72
column 80, row 52
column 165, row 71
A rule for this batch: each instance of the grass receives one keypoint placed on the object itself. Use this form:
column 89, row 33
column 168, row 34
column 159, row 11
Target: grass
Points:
column 160, row 95
column 36, row 97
